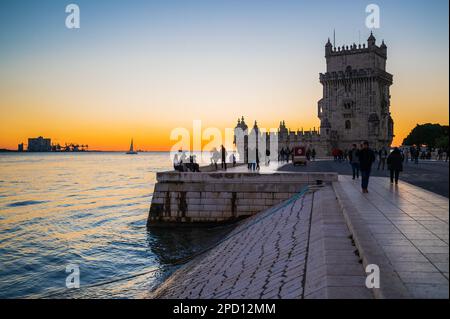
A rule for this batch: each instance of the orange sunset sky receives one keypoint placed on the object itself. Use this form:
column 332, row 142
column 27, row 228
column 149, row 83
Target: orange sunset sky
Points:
column 142, row 69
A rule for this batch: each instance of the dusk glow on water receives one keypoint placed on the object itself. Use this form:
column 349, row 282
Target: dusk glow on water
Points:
column 87, row 209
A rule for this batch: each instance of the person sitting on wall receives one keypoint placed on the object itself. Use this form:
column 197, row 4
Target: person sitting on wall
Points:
column 178, row 162
column 192, row 165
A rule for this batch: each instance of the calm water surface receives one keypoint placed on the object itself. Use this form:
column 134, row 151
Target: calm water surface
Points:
column 87, row 209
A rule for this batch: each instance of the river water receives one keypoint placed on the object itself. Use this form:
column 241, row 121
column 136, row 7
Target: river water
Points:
column 88, row 210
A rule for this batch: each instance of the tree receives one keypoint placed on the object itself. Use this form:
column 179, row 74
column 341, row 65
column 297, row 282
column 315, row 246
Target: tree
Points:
column 427, row 134
column 442, row 142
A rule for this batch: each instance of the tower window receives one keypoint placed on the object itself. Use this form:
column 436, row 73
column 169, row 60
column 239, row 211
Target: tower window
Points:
column 348, row 125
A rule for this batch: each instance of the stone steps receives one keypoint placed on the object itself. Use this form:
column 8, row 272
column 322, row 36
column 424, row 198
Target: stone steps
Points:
column 296, row 250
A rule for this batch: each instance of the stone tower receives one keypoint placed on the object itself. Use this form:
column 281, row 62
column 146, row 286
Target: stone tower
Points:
column 356, row 100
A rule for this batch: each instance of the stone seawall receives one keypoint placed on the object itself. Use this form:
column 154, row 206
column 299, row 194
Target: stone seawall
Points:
column 211, row 197
column 299, row 249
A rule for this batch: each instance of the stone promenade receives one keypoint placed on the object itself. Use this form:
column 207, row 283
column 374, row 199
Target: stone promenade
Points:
column 301, row 250
column 404, row 230
column 318, row 246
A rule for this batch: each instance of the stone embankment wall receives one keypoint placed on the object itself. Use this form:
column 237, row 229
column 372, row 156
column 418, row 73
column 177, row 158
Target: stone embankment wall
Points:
column 211, row 197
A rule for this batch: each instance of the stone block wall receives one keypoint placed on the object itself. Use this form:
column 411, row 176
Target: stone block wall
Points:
column 212, row 197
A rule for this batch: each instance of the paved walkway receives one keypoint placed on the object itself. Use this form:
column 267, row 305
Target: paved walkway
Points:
column 319, row 245
column 405, row 230
column 302, row 250
column 430, row 175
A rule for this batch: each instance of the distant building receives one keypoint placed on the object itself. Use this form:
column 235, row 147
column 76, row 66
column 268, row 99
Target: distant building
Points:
column 20, row 147
column 39, row 144
column 356, row 98
column 355, row 105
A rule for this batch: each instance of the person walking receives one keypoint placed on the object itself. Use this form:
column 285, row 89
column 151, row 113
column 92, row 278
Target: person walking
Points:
column 215, row 157
column 313, row 154
column 382, row 155
column 281, row 155
column 416, row 155
column 257, row 159
column 395, row 164
column 354, row 161
column 366, row 158
column 267, row 161
column 224, row 157
column 233, row 159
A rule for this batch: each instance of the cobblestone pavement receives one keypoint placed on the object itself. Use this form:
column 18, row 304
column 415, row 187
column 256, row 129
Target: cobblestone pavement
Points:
column 299, row 250
column 405, row 230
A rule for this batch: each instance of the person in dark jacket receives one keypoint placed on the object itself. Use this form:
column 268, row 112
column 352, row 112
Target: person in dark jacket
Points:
column 366, row 158
column 354, row 161
column 223, row 152
column 395, row 164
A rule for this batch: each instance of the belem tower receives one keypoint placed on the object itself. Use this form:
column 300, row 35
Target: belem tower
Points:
column 355, row 105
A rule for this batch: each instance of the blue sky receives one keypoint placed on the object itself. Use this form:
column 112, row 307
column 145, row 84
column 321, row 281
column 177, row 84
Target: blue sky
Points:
column 135, row 60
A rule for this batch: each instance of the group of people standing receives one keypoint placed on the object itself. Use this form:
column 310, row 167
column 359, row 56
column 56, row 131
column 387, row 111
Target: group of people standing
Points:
column 362, row 158
column 339, row 155
column 222, row 155
column 414, row 153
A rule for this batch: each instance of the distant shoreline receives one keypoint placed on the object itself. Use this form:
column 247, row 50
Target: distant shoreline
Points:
column 81, row 152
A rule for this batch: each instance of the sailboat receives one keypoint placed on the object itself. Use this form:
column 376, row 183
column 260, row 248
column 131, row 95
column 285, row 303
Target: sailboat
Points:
column 131, row 151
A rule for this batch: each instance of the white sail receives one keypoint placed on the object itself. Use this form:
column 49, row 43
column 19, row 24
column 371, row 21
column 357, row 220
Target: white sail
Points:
column 131, row 151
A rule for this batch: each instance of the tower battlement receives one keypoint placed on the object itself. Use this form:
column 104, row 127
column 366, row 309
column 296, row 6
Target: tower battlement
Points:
column 356, row 95
column 355, row 103
column 350, row 74
column 370, row 56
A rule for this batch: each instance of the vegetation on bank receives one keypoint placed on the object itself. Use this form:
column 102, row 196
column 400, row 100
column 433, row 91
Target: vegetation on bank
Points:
column 432, row 135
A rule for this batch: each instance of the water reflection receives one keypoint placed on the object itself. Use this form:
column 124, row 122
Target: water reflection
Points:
column 88, row 209
column 172, row 245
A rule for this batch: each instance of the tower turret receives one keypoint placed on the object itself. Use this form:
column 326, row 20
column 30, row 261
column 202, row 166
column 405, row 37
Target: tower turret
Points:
column 383, row 48
column 328, row 48
column 371, row 41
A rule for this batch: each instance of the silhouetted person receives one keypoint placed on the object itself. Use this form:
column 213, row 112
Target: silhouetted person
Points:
column 281, row 155
column 416, row 155
column 354, row 161
column 224, row 157
column 366, row 158
column 267, row 157
column 233, row 159
column 335, row 154
column 215, row 157
column 313, row 154
column 395, row 164
column 257, row 159
column 382, row 155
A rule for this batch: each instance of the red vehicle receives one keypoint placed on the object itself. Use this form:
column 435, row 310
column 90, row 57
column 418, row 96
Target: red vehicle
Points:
column 300, row 155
